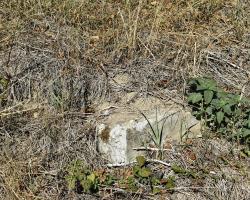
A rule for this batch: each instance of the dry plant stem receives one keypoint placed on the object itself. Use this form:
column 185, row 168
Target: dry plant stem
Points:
column 131, row 163
column 151, row 149
column 47, row 55
column 192, row 188
column 120, row 190
column 3, row 114
column 159, row 162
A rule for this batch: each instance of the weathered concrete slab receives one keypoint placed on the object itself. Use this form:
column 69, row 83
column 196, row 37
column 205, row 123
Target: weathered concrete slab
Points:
column 125, row 128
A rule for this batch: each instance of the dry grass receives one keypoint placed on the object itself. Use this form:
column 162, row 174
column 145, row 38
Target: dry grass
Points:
column 57, row 58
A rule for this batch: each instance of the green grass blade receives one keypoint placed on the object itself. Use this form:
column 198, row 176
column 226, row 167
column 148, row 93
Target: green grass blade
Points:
column 150, row 125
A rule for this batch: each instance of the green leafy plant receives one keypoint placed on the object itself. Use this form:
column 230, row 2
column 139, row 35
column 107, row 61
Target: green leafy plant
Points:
column 170, row 183
column 109, row 180
column 146, row 176
column 81, row 178
column 129, row 183
column 156, row 133
column 140, row 170
column 180, row 170
column 223, row 112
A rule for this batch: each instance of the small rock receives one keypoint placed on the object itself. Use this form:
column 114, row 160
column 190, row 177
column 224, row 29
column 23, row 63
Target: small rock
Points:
column 125, row 128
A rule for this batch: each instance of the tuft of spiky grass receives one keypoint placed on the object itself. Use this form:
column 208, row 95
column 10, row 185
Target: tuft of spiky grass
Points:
column 157, row 133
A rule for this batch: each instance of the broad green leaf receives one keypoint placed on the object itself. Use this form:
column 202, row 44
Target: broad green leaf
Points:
column 192, row 82
column 90, row 185
column 222, row 103
column 238, row 112
column 177, row 169
column 141, row 160
column 209, row 110
column 206, row 84
column 247, row 123
column 235, row 97
column 144, row 172
column 208, row 96
column 218, row 103
column 227, row 109
column 219, row 116
column 136, row 169
column 245, row 133
column 227, row 120
column 215, row 103
column 194, row 97
column 155, row 181
column 201, row 87
column 221, row 94
column 206, row 81
column 156, row 190
column 170, row 182
column 109, row 180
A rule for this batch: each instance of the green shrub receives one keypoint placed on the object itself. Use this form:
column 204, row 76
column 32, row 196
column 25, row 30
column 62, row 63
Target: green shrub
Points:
column 224, row 112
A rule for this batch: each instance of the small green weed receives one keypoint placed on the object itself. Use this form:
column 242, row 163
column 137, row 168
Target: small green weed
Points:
column 156, row 133
column 141, row 172
column 170, row 184
column 180, row 170
column 129, row 183
column 81, row 178
column 223, row 112
column 146, row 176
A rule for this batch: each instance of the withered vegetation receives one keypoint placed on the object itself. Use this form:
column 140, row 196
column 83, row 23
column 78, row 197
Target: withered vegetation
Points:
column 57, row 58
